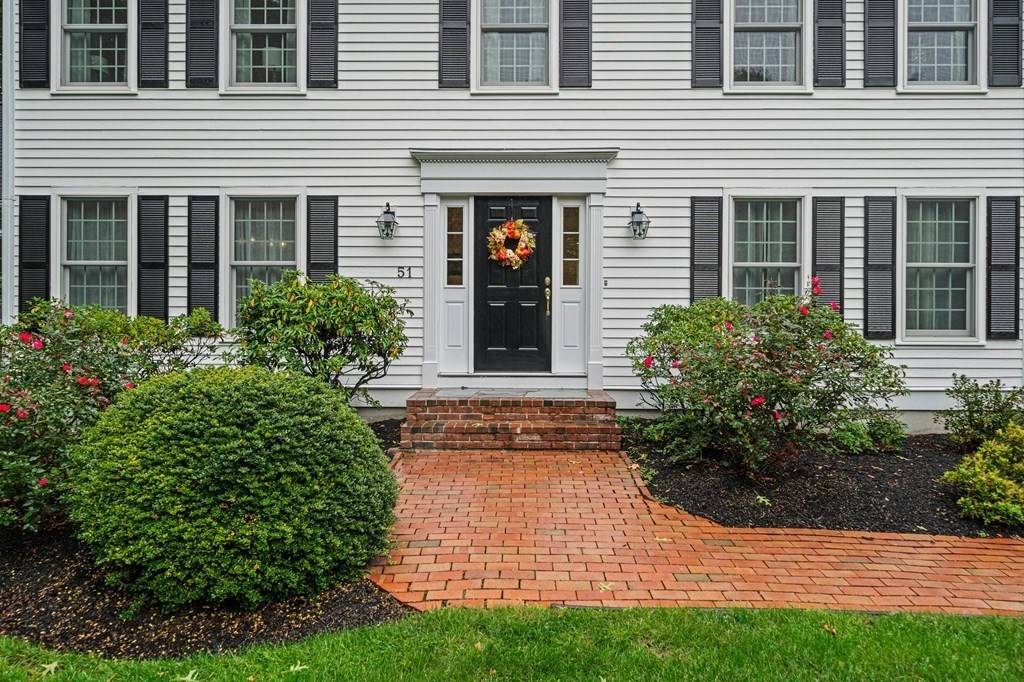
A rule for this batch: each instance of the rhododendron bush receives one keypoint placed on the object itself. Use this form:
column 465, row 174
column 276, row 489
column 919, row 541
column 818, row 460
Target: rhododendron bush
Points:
column 59, row 368
column 753, row 384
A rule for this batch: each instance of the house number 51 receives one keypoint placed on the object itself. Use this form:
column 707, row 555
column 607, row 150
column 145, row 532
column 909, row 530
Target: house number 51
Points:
column 405, row 272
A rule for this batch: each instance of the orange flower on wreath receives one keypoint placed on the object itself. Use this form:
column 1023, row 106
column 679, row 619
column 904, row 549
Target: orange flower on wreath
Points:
column 511, row 257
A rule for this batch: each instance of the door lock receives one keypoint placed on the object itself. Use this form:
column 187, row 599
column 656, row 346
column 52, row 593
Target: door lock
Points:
column 547, row 294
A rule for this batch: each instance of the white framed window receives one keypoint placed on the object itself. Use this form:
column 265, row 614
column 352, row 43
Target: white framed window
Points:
column 940, row 284
column 97, row 240
column 517, row 46
column 96, row 43
column 265, row 236
column 767, row 249
column 265, row 48
column 944, row 45
column 769, row 45
column 455, row 257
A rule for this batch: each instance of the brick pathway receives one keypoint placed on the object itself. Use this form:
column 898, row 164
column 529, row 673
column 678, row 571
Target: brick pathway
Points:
column 482, row 529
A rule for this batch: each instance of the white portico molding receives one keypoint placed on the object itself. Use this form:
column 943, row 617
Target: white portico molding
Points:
column 527, row 172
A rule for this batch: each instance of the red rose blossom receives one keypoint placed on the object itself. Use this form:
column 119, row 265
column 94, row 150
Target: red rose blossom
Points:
column 65, row 367
column 758, row 401
column 21, row 414
column 43, row 482
column 778, row 415
column 805, row 311
column 834, row 305
column 25, row 337
column 128, row 385
column 815, row 281
column 816, row 291
column 5, row 408
column 828, row 335
column 37, row 344
column 649, row 361
column 83, row 381
column 675, row 364
column 728, row 325
column 94, row 381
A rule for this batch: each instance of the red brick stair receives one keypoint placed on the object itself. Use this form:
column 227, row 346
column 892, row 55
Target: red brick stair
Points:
column 496, row 419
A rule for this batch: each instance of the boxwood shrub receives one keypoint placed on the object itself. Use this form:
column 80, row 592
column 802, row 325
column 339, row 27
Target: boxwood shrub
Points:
column 231, row 485
column 992, row 479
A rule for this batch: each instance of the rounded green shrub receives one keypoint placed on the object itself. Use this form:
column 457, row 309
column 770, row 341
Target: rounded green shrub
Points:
column 992, row 479
column 234, row 486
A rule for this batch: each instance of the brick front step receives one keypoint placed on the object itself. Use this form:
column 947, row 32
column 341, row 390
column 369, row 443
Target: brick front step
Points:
column 449, row 419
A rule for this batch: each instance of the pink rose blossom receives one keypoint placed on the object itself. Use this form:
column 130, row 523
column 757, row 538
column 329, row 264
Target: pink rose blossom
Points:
column 675, row 363
column 778, row 415
column 834, row 305
column 649, row 361
column 37, row 344
column 21, row 414
column 758, row 401
column 43, row 482
column 815, row 281
column 68, row 314
column 728, row 326
column 65, row 367
column 828, row 335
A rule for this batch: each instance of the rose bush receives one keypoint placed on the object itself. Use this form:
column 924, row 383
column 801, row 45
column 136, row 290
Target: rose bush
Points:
column 760, row 383
column 59, row 368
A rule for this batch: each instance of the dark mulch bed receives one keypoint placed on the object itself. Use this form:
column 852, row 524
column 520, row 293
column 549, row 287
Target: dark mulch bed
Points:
column 893, row 493
column 389, row 432
column 51, row 593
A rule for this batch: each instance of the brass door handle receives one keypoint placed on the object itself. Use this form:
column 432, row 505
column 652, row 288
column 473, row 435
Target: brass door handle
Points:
column 547, row 299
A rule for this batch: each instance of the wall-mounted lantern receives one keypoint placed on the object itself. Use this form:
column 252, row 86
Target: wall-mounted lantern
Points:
column 386, row 223
column 639, row 223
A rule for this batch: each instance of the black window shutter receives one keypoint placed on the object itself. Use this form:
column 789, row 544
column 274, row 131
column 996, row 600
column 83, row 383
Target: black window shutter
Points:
column 33, row 250
column 153, row 257
column 321, row 237
column 827, row 228
column 707, row 44
column 880, row 43
column 153, row 39
column 830, row 43
column 322, row 65
column 705, row 248
column 1004, row 268
column 453, row 48
column 1004, row 40
column 34, row 41
column 201, row 44
column 575, row 44
column 880, row 268
column 202, row 254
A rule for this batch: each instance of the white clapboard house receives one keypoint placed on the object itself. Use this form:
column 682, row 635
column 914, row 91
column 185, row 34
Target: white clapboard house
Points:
column 160, row 153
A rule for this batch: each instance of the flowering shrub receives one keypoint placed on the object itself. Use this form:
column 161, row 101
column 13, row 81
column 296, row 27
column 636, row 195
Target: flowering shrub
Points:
column 992, row 479
column 341, row 331
column 231, row 485
column 759, row 383
column 59, row 368
column 981, row 411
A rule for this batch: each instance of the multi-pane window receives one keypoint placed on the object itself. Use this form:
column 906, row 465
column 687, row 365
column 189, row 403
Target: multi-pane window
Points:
column 96, row 252
column 940, row 267
column 766, row 41
column 264, row 36
column 571, row 246
column 456, row 238
column 95, row 35
column 940, row 41
column 766, row 243
column 515, row 42
column 263, row 242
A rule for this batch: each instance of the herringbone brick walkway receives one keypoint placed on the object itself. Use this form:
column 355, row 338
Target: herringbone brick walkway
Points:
column 577, row 528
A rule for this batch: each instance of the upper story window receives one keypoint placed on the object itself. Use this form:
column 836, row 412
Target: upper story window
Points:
column 95, row 252
column 264, row 42
column 95, row 40
column 515, row 43
column 766, row 249
column 942, row 41
column 767, row 42
column 940, row 267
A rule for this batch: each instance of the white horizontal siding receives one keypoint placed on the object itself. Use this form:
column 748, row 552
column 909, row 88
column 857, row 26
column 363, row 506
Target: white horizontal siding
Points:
column 675, row 143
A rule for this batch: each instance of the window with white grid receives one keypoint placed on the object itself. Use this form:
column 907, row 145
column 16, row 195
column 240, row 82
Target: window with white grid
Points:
column 263, row 242
column 95, row 40
column 766, row 249
column 940, row 271
column 766, row 41
column 515, row 42
column 96, row 252
column 941, row 41
column 264, row 42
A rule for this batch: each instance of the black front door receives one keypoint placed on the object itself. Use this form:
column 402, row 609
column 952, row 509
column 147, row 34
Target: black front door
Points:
column 512, row 320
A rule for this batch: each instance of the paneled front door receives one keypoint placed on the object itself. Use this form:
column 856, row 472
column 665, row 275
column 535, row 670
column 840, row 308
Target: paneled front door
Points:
column 511, row 308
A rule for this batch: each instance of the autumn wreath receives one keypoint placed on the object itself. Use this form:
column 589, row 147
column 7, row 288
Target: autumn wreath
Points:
column 499, row 238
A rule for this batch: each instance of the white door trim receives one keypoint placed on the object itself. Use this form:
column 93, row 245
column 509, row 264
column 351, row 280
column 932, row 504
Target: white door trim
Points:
column 459, row 174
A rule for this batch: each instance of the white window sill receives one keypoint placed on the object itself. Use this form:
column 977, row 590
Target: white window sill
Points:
column 491, row 90
column 941, row 90
column 240, row 91
column 92, row 91
column 940, row 342
column 767, row 90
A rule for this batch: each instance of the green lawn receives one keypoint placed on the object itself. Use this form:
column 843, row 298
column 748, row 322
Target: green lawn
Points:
column 531, row 644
